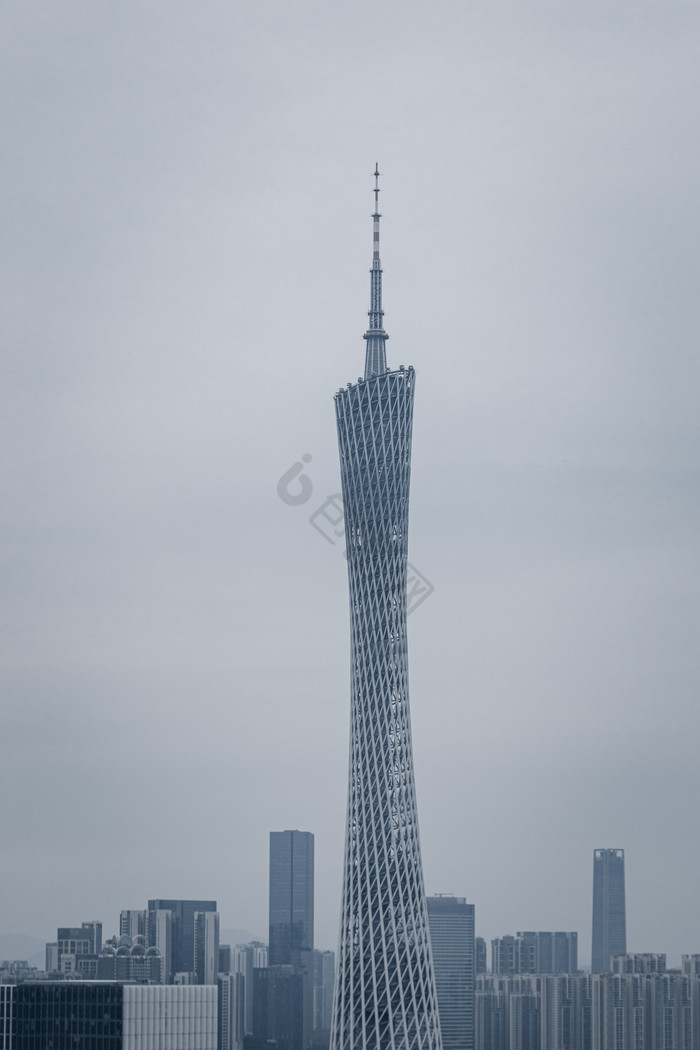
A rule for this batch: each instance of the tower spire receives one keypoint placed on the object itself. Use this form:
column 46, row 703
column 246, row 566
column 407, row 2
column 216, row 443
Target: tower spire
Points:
column 376, row 337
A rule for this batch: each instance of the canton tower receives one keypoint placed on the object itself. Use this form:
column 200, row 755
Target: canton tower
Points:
column 385, row 990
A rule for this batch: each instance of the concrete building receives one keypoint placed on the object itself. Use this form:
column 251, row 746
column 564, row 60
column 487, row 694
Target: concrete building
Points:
column 230, row 1010
column 608, row 1011
column 533, row 951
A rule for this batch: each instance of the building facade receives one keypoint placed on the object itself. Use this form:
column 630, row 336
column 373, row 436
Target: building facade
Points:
column 609, row 915
column 291, row 914
column 94, row 1015
column 452, row 940
column 182, row 935
column 324, row 983
column 385, row 990
column 246, row 959
column 533, row 951
column 230, row 1010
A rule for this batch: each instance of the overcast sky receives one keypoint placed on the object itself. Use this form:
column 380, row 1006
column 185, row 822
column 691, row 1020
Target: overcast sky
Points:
column 185, row 263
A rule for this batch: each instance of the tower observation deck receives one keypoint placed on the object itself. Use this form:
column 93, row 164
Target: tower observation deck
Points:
column 385, row 990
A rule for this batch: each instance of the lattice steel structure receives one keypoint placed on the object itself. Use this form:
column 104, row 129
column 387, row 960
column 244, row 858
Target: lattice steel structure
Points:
column 385, row 990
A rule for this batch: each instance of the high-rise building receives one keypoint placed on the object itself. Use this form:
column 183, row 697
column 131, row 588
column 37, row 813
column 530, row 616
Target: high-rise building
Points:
column 324, row 982
column 231, row 996
column 96, row 1015
column 291, row 898
column 609, row 924
column 385, row 989
column 278, row 1015
column 480, row 960
column 182, row 931
column 535, row 952
column 292, row 912
column 206, row 946
column 504, row 955
column 226, row 959
column 246, row 959
column 640, row 962
column 77, row 949
column 452, row 939
column 132, row 923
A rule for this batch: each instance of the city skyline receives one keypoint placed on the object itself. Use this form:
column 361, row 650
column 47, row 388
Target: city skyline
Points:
column 183, row 262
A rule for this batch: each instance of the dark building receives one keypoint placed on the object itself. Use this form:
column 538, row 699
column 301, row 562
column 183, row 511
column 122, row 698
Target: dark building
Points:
column 609, row 922
column 480, row 957
column 291, row 898
column 292, row 911
column 278, row 1015
column 68, row 1015
column 182, row 926
column 94, row 1015
column 451, row 922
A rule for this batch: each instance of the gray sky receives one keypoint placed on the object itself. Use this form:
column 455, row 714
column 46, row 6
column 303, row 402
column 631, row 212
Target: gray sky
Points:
column 185, row 266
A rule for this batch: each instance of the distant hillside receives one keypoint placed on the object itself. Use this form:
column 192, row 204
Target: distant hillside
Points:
column 235, row 936
column 18, row 946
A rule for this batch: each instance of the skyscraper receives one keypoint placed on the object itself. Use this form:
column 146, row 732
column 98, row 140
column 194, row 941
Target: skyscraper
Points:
column 292, row 916
column 385, row 990
column 182, row 926
column 452, row 940
column 291, row 898
column 609, row 924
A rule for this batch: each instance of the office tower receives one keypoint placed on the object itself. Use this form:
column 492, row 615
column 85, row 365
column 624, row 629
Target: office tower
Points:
column 182, row 930
column 385, row 989
column 226, row 959
column 159, row 934
column 291, row 898
column 609, row 926
column 51, row 963
column 246, row 959
column 292, row 911
column 206, row 946
column 132, row 923
column 77, row 949
column 324, row 982
column 278, row 1007
column 452, row 940
column 98, row 1015
column 230, row 1015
